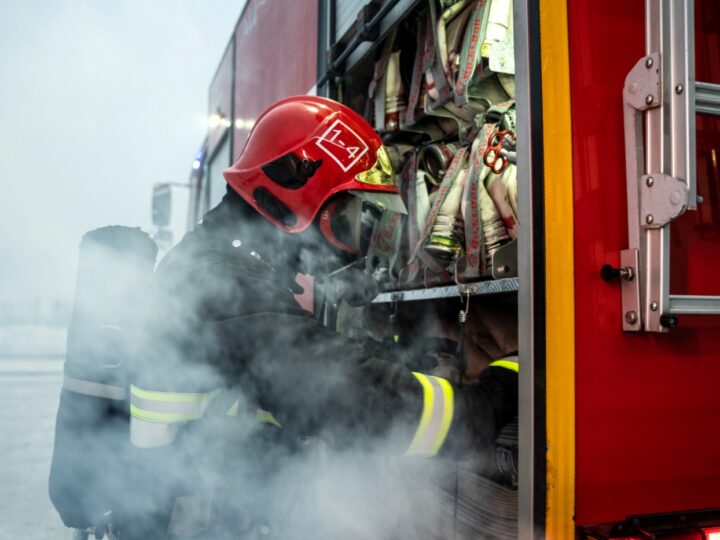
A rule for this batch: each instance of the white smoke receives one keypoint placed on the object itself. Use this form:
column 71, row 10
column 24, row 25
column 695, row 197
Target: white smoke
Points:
column 98, row 101
column 94, row 113
column 334, row 470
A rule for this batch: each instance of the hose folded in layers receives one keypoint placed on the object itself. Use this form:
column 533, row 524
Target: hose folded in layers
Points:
column 440, row 243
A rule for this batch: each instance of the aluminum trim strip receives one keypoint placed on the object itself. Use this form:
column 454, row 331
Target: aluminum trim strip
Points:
column 526, row 38
column 707, row 98
column 694, row 305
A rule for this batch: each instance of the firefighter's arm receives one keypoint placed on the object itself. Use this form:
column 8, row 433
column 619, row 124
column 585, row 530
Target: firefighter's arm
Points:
column 440, row 417
column 483, row 409
column 314, row 381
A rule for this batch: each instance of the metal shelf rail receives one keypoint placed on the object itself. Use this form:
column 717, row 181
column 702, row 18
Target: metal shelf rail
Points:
column 367, row 37
column 479, row 288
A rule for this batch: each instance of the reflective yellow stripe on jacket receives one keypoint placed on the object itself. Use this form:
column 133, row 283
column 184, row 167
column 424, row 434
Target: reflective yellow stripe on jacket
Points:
column 438, row 409
column 266, row 417
column 261, row 415
column 437, row 414
column 511, row 363
column 154, row 416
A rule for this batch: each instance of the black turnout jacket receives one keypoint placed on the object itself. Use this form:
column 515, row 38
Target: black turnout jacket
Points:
column 224, row 322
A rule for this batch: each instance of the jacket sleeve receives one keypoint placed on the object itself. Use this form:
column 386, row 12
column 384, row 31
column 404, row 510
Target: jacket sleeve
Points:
column 315, row 381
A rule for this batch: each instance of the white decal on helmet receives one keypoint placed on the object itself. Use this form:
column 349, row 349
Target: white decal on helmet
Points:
column 342, row 144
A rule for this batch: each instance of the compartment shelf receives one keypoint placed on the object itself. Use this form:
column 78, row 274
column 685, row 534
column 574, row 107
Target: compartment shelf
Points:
column 478, row 288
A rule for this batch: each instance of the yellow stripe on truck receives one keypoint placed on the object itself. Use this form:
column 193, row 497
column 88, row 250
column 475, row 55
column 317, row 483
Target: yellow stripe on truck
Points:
column 559, row 271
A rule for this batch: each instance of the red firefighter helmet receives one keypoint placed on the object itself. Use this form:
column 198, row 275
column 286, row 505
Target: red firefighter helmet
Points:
column 302, row 151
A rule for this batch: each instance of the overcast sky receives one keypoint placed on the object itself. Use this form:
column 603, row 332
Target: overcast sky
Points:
column 99, row 99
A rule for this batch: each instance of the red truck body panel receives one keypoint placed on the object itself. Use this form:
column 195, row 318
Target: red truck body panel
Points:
column 220, row 98
column 647, row 433
column 276, row 44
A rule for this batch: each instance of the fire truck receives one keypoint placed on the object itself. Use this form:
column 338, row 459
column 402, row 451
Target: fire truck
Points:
column 615, row 142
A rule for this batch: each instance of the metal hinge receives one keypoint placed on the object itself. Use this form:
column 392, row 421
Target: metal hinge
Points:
column 642, row 92
column 662, row 199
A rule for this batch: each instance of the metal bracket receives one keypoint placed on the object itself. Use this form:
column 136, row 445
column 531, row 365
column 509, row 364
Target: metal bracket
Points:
column 504, row 261
column 632, row 316
column 661, row 99
column 662, row 199
column 642, row 85
column 642, row 92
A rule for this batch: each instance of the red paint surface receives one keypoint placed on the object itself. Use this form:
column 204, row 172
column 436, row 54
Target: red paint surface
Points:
column 276, row 57
column 220, row 98
column 647, row 405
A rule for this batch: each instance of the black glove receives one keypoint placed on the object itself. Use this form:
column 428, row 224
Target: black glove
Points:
column 482, row 410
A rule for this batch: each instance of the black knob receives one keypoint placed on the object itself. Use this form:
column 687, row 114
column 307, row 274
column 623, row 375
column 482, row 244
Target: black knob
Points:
column 609, row 273
column 669, row 321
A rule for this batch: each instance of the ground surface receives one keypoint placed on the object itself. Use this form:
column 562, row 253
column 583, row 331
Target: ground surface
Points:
column 29, row 394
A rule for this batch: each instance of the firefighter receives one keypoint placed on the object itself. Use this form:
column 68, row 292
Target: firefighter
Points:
column 227, row 340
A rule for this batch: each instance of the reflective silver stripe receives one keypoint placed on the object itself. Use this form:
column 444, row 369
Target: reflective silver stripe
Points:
column 147, row 434
column 437, row 414
column 89, row 388
column 190, row 515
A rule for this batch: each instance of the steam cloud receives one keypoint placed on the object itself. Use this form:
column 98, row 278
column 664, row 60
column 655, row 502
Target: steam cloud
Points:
column 330, row 472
